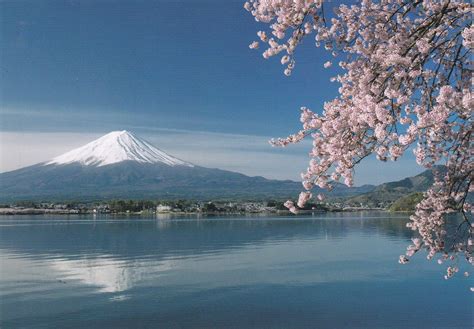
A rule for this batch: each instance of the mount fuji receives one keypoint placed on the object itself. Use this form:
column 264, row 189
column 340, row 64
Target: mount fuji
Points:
column 122, row 165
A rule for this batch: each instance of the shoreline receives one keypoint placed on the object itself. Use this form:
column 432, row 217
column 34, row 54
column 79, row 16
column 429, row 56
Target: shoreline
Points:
column 36, row 211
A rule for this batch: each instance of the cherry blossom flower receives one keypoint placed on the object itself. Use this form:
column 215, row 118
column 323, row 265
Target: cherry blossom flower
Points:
column 405, row 85
column 254, row 45
column 303, row 198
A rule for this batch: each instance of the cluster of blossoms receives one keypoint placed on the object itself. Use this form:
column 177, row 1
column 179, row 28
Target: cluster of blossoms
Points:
column 405, row 85
column 291, row 206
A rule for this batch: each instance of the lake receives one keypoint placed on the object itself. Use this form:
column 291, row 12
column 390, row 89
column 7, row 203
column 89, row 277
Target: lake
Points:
column 322, row 271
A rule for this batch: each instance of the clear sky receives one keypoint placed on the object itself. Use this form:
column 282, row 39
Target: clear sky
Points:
column 178, row 73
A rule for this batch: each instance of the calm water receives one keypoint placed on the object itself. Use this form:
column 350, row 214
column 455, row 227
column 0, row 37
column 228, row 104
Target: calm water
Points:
column 325, row 271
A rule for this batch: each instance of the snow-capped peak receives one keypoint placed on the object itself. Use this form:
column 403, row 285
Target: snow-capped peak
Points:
column 117, row 146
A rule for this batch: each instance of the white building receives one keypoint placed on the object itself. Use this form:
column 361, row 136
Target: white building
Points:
column 163, row 208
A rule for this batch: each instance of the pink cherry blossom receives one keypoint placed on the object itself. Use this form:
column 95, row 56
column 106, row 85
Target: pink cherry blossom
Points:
column 303, row 198
column 405, row 85
column 327, row 64
column 254, row 45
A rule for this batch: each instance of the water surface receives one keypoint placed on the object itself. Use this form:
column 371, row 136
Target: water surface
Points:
column 321, row 271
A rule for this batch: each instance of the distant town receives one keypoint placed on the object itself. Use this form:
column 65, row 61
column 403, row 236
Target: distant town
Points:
column 177, row 207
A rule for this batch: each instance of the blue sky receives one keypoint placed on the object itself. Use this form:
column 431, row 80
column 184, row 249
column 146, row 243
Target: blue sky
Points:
column 88, row 67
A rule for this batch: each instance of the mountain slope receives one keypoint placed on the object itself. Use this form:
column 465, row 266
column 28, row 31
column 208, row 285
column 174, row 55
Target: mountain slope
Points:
column 121, row 165
column 132, row 180
column 392, row 191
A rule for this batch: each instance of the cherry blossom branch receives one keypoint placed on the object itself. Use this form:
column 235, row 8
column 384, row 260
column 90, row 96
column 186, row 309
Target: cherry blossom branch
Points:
column 406, row 82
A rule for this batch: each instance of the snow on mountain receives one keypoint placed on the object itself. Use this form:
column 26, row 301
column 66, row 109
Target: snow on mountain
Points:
column 117, row 146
